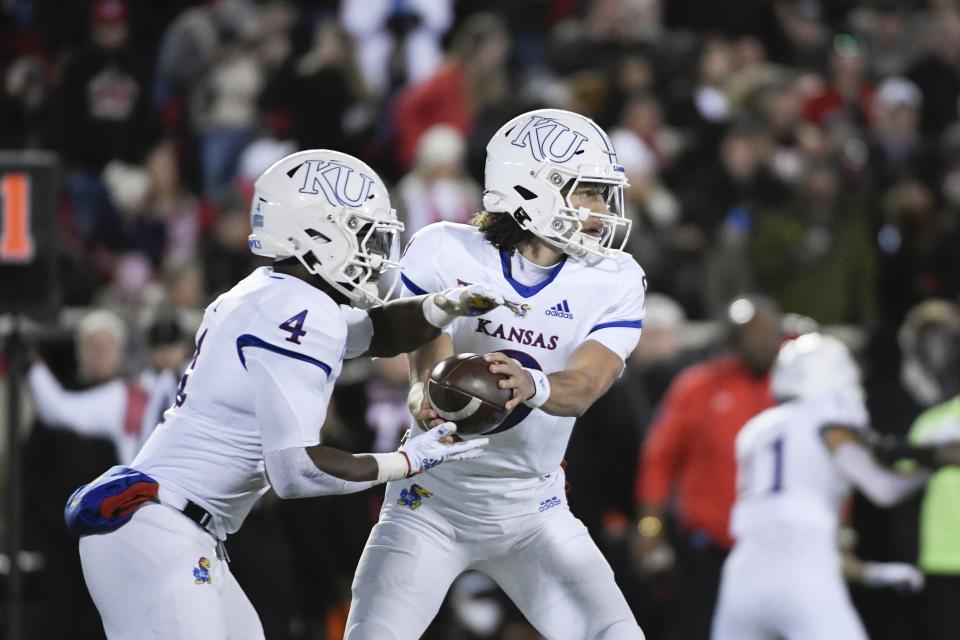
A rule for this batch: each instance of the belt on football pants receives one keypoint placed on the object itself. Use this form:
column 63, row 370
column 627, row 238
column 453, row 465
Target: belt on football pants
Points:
column 200, row 516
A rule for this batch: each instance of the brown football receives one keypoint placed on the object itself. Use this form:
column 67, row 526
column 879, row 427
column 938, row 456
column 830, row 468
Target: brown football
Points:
column 462, row 390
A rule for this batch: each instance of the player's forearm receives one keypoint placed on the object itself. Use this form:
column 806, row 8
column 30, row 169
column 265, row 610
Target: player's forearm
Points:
column 293, row 474
column 426, row 357
column 882, row 486
column 399, row 327
column 572, row 393
column 343, row 465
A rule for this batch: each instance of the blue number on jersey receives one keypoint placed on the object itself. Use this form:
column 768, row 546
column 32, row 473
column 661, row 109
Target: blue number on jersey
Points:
column 295, row 326
column 777, row 465
column 181, row 393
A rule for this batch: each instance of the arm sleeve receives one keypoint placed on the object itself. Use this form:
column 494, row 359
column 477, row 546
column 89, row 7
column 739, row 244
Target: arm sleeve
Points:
column 420, row 272
column 845, row 409
column 292, row 474
column 665, row 447
column 619, row 328
column 359, row 331
column 882, row 486
column 291, row 400
column 293, row 368
column 99, row 411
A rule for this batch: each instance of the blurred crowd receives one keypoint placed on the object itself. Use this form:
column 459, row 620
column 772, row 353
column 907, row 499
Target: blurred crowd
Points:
column 808, row 150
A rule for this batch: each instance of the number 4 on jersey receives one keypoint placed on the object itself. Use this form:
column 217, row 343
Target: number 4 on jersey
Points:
column 295, row 326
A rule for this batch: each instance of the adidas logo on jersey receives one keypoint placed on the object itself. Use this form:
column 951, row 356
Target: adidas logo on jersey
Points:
column 549, row 503
column 561, row 310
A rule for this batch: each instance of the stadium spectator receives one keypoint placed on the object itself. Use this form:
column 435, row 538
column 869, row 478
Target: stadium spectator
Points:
column 847, row 97
column 102, row 113
column 123, row 411
column 77, row 432
column 472, row 80
column 399, row 43
column 821, row 236
column 321, row 92
column 438, row 188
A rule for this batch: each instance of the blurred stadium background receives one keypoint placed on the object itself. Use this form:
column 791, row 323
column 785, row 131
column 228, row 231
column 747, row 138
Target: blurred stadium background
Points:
column 808, row 150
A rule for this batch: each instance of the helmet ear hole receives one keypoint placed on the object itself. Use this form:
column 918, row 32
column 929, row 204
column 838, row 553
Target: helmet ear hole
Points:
column 316, row 235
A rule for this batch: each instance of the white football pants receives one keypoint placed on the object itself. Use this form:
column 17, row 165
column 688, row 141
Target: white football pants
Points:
column 142, row 579
column 545, row 561
column 792, row 592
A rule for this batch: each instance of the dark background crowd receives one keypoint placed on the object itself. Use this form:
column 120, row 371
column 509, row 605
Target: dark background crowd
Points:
column 806, row 150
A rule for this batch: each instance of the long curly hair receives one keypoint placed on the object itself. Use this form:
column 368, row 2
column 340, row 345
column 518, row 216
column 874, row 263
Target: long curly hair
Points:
column 501, row 230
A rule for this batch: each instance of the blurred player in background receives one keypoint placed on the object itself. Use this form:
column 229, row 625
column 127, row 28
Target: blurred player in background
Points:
column 249, row 408
column 688, row 455
column 552, row 232
column 796, row 466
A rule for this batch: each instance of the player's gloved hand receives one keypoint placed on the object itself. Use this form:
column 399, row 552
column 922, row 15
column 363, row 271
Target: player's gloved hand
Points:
column 436, row 446
column 440, row 309
column 898, row 575
column 889, row 450
column 948, row 454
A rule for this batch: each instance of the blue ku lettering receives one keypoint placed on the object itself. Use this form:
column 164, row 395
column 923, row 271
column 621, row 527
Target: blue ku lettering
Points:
column 513, row 334
column 548, row 139
column 337, row 182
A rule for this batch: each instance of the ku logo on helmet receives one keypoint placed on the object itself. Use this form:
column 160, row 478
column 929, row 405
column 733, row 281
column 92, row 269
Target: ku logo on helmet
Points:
column 340, row 184
column 549, row 139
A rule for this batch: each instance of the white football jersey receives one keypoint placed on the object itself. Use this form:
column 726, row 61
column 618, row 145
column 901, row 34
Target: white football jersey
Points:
column 598, row 299
column 268, row 353
column 786, row 478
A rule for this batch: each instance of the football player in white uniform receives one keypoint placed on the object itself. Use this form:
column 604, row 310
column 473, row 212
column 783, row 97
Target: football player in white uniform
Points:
column 249, row 408
column 796, row 466
column 552, row 232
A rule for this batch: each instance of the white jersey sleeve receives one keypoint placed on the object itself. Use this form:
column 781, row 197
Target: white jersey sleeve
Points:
column 619, row 328
column 420, row 269
column 843, row 409
column 359, row 331
column 293, row 367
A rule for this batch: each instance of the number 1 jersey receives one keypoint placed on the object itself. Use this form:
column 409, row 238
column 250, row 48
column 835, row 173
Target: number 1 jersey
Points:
column 786, row 478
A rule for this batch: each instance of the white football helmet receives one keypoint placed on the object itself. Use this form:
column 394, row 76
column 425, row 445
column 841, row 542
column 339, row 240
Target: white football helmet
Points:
column 331, row 212
column 812, row 365
column 537, row 160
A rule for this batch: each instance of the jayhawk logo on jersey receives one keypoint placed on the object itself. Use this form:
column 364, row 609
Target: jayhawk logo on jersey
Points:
column 413, row 496
column 201, row 573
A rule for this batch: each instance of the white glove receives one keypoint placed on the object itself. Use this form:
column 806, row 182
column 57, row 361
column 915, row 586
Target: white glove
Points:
column 440, row 309
column 426, row 450
column 899, row 575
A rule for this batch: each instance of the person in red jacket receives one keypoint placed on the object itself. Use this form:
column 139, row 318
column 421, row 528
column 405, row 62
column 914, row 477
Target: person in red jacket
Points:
column 472, row 80
column 688, row 459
